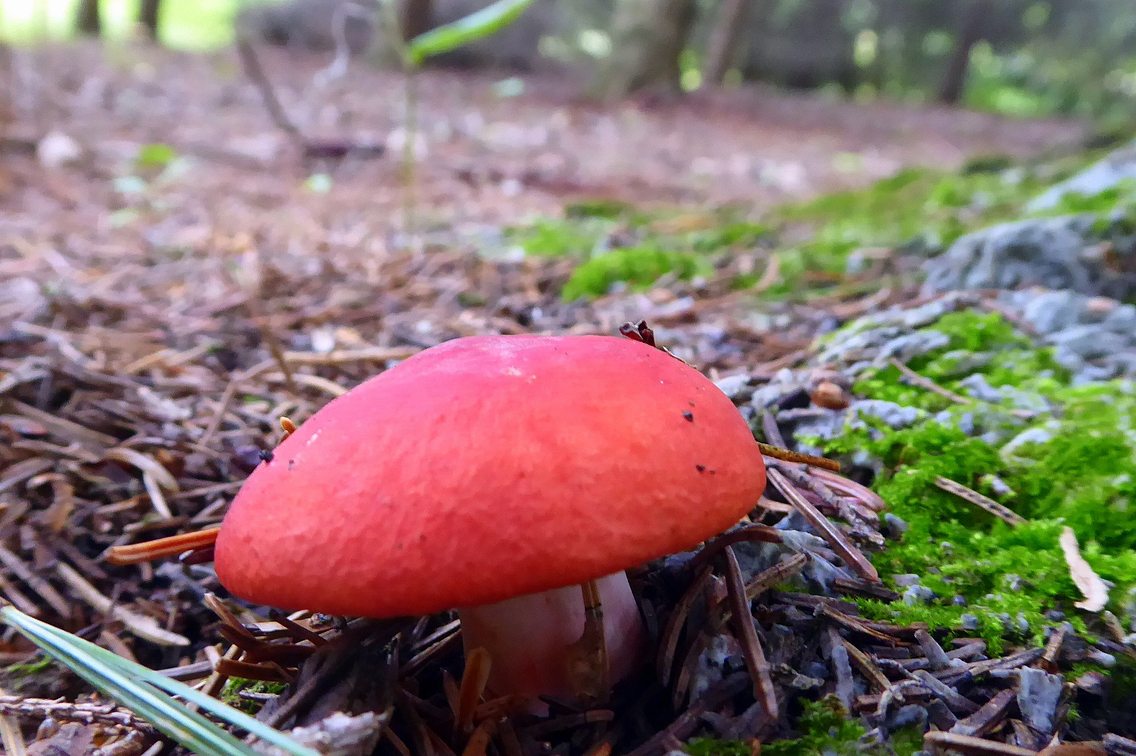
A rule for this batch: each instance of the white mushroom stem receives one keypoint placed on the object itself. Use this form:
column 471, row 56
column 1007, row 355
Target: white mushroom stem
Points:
column 532, row 639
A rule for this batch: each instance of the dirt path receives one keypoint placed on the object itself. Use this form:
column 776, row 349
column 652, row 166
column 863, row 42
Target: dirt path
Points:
column 489, row 158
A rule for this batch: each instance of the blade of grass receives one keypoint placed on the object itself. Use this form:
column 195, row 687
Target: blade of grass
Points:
column 171, row 718
column 476, row 25
column 86, row 658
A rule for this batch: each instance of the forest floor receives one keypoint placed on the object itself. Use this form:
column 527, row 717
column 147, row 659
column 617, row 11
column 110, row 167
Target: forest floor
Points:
column 176, row 273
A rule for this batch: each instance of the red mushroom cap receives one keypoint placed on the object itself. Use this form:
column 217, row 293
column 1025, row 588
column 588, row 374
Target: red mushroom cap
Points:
column 486, row 468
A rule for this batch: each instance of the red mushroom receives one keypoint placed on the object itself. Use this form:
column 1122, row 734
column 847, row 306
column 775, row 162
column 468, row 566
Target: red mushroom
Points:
column 497, row 475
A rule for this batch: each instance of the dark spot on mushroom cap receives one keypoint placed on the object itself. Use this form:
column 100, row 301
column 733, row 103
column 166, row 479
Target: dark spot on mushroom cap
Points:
column 266, row 455
column 689, row 416
column 700, row 468
column 291, row 464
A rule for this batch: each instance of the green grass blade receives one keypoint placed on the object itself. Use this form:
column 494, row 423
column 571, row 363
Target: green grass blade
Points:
column 149, row 677
column 172, row 719
column 221, row 710
column 484, row 22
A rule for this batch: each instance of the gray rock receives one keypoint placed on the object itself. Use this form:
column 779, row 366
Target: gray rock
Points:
column 1089, row 341
column 21, row 299
column 906, row 581
column 896, row 526
column 1055, row 253
column 1030, row 436
column 977, row 386
column 1053, row 310
column 917, row 594
column 968, row 622
column 1038, row 695
column 735, row 386
column 893, row 415
column 907, row 716
column 907, row 347
column 1099, row 177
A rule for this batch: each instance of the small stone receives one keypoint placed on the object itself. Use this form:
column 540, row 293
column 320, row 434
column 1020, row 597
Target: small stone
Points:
column 1102, row 658
column 893, row 415
column 736, row 387
column 906, row 581
column 57, row 150
column 907, row 716
column 997, row 485
column 1038, row 695
column 895, row 525
column 977, row 386
column 1054, row 615
column 969, row 622
column 959, row 600
column 1093, row 683
column 817, row 670
column 917, row 594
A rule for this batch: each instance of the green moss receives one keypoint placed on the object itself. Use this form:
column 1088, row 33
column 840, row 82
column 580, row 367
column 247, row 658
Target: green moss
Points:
column 639, row 266
column 597, row 208
column 916, row 212
column 231, row 693
column 551, row 238
column 825, row 727
column 730, row 234
column 1079, row 473
column 715, row 747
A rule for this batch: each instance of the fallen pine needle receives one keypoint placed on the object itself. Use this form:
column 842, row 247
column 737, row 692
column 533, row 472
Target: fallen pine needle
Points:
column 1011, row 518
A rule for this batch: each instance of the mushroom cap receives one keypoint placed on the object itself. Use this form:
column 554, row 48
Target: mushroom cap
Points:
column 490, row 467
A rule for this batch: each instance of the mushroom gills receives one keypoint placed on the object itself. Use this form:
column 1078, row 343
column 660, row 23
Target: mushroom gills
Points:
column 541, row 645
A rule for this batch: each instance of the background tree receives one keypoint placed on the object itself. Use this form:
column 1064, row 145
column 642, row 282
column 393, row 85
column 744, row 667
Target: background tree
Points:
column 88, row 20
column 722, row 48
column 149, row 15
column 648, row 37
column 970, row 32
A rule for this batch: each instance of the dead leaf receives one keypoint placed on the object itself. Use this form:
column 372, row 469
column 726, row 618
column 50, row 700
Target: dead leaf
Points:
column 1095, row 590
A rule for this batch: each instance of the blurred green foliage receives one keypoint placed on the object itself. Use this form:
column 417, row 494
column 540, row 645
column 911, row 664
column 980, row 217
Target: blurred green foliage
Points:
column 185, row 24
column 834, row 243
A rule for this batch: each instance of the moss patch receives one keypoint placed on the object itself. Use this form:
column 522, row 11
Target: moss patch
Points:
column 916, row 212
column 231, row 693
column 619, row 244
column 1075, row 467
column 638, row 266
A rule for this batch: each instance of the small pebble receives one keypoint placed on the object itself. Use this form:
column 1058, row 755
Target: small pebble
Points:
column 1101, row 658
column 969, row 622
column 895, row 526
column 917, row 594
column 959, row 600
column 906, row 581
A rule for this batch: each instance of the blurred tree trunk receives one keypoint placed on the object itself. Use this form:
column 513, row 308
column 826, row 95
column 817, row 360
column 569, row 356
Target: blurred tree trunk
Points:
column 647, row 38
column 88, row 21
column 970, row 32
column 724, row 41
column 417, row 18
column 148, row 16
